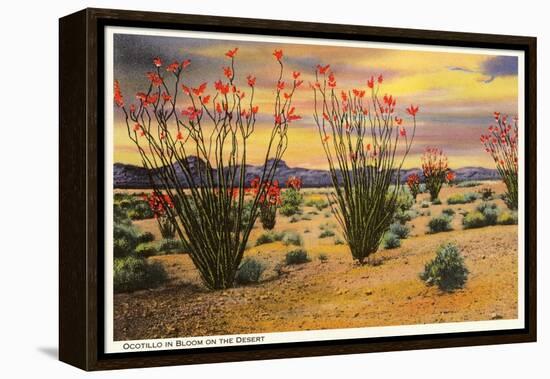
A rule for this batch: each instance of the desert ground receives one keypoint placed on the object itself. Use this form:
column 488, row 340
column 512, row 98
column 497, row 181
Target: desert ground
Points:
column 336, row 292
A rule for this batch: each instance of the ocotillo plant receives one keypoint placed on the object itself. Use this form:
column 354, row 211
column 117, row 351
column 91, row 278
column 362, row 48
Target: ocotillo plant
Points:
column 157, row 202
column 269, row 201
column 360, row 134
column 291, row 198
column 501, row 142
column 195, row 150
column 435, row 166
column 413, row 182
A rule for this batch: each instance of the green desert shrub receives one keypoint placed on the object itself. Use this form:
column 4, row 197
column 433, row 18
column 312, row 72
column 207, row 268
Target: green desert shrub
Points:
column 269, row 237
column 249, row 271
column 294, row 219
column 169, row 246
column 473, row 220
column 448, row 211
column 404, row 199
column 292, row 238
column 462, row 198
column 468, row 184
column 441, row 223
column 507, row 218
column 131, row 273
column 125, row 240
column 436, row 202
column 447, row 270
column 291, row 200
column 140, row 210
column 490, row 212
column 402, row 217
column 146, row 237
column 326, row 233
column 146, row 249
column 295, row 257
column 322, row 257
column 391, row 241
column 338, row 241
column 401, row 231
column 425, row 204
column 319, row 204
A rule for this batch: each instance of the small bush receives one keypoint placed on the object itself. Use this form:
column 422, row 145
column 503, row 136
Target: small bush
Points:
column 338, row 241
column 291, row 200
column 322, row 257
column 468, row 184
column 490, row 212
column 486, row 193
column 326, row 233
column 169, row 246
column 436, row 202
column 269, row 237
column 391, row 241
column 292, row 238
column 296, row 257
column 447, row 270
column 327, row 214
column 249, row 271
column 401, row 231
column 146, row 237
column 402, row 217
column 473, row 220
column 448, row 211
column 319, row 204
column 131, row 273
column 441, row 223
column 404, row 200
column 125, row 240
column 140, row 211
column 306, row 218
column 507, row 218
column 459, row 198
column 294, row 219
column 146, row 249
column 425, row 204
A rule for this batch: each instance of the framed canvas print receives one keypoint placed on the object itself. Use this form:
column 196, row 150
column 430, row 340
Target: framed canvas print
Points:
column 236, row 189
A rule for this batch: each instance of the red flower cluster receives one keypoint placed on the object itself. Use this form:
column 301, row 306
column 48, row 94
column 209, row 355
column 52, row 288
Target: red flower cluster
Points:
column 501, row 141
column 434, row 162
column 413, row 179
column 294, row 182
column 119, row 100
column 270, row 192
column 450, row 177
column 155, row 78
column 158, row 203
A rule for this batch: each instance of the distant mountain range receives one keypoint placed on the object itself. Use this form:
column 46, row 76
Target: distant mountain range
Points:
column 130, row 176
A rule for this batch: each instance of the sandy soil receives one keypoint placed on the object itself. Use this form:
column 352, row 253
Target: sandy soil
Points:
column 336, row 293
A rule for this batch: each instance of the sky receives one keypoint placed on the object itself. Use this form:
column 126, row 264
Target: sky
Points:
column 457, row 93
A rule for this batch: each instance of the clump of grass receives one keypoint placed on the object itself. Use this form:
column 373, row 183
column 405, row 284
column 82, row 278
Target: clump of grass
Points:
column 307, row 231
column 298, row 256
column 306, row 218
column 322, row 257
column 269, row 237
column 326, row 233
column 391, row 241
column 249, row 271
column 327, row 214
column 436, row 202
column 403, row 216
column 462, row 198
column 441, row 223
column 425, row 204
column 401, row 231
column 485, row 214
column 447, row 270
column 294, row 219
column 292, row 238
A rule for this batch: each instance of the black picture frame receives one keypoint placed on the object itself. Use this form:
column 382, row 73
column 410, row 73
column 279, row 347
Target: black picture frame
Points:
column 81, row 182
